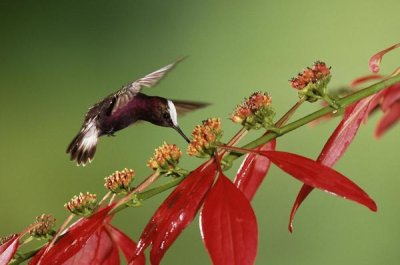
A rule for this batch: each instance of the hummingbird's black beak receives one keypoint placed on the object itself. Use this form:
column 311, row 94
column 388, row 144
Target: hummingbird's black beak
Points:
column 181, row 133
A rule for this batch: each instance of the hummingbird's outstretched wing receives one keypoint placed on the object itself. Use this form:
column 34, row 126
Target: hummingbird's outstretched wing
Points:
column 183, row 106
column 123, row 96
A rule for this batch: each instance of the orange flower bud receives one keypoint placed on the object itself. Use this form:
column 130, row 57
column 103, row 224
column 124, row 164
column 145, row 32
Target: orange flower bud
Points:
column 255, row 112
column 119, row 181
column 165, row 158
column 311, row 76
column 42, row 226
column 83, row 204
column 4, row 239
column 204, row 138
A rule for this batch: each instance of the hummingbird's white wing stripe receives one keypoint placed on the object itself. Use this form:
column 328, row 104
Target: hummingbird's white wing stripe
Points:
column 129, row 91
column 172, row 112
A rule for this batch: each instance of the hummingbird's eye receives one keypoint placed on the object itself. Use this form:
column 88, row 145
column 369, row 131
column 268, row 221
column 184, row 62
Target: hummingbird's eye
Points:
column 166, row 115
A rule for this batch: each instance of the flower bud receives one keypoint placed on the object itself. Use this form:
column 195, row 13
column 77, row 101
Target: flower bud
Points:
column 255, row 112
column 312, row 82
column 165, row 158
column 4, row 239
column 83, row 204
column 119, row 181
column 204, row 138
column 43, row 225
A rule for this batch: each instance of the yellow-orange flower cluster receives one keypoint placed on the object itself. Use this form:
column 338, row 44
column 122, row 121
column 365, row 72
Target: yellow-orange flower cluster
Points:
column 4, row 239
column 42, row 226
column 119, row 181
column 83, row 204
column 204, row 138
column 165, row 158
column 313, row 75
column 255, row 112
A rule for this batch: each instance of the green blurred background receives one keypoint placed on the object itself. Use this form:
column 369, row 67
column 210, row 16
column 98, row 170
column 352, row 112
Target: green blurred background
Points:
column 59, row 57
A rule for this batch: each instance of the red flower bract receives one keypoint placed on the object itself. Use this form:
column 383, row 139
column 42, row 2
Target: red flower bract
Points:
column 228, row 225
column 389, row 97
column 337, row 144
column 348, row 128
column 391, row 116
column 376, row 59
column 319, row 176
column 98, row 249
column 8, row 249
column 79, row 233
column 363, row 79
column 125, row 244
column 253, row 170
column 176, row 213
column 89, row 241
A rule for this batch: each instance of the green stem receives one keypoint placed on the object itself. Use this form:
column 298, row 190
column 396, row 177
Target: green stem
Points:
column 149, row 193
column 282, row 121
column 344, row 102
column 152, row 192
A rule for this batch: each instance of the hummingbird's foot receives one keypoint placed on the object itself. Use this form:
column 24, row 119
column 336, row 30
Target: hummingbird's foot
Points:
column 111, row 134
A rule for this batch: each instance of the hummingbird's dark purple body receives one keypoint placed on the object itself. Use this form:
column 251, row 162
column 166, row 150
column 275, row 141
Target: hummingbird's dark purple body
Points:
column 141, row 107
column 123, row 108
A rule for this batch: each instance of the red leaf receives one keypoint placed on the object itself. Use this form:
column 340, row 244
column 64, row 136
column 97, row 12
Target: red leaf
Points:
column 124, row 243
column 8, row 249
column 303, row 194
column 253, row 170
column 376, row 59
column 365, row 79
column 38, row 255
column 338, row 143
column 388, row 120
column 113, row 257
column 392, row 95
column 320, row 176
column 183, row 205
column 228, row 225
column 374, row 104
column 176, row 212
column 98, row 249
column 73, row 240
column 345, row 132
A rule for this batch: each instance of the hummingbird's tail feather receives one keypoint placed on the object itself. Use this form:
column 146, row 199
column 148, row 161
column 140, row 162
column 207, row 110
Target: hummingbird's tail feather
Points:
column 83, row 146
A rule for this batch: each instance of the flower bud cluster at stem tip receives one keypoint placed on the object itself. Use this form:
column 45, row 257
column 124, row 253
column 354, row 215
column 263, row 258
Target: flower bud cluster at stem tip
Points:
column 165, row 158
column 205, row 137
column 4, row 239
column 119, row 181
column 42, row 226
column 83, row 204
column 312, row 82
column 255, row 112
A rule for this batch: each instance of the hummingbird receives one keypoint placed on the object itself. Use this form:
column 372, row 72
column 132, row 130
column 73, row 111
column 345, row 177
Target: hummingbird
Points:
column 124, row 108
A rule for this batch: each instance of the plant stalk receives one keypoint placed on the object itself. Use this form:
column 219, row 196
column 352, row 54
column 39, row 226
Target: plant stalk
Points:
column 342, row 103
